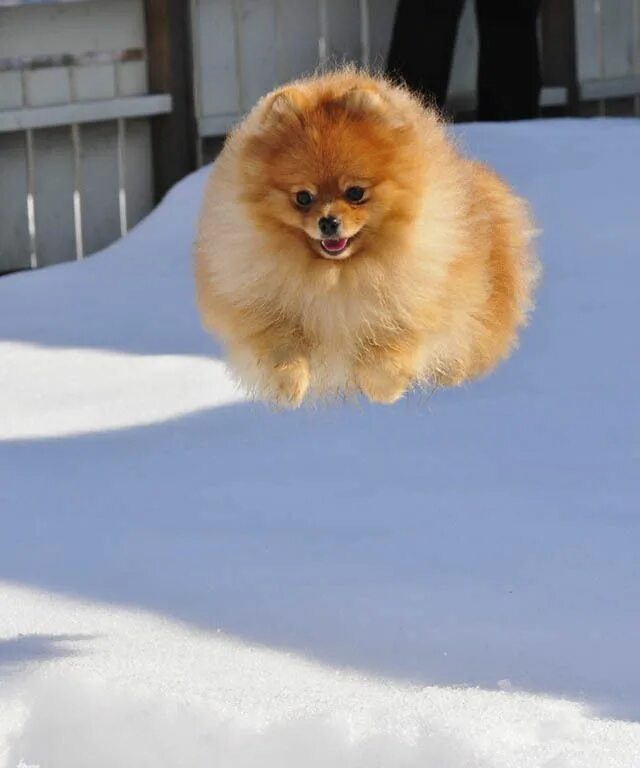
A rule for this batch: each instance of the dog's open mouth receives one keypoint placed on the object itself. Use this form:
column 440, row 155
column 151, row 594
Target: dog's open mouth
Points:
column 334, row 247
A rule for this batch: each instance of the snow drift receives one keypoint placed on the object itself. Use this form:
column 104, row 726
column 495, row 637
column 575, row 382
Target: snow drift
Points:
column 189, row 579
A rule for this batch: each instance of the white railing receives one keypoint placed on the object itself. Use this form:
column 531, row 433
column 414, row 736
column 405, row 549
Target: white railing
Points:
column 73, row 114
column 75, row 134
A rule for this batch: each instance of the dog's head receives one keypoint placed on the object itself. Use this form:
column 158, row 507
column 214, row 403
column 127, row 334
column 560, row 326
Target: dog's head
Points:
column 333, row 167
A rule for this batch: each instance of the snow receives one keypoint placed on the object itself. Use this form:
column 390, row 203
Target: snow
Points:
column 189, row 579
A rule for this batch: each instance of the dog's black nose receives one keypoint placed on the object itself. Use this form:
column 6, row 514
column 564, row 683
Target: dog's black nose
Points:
column 329, row 226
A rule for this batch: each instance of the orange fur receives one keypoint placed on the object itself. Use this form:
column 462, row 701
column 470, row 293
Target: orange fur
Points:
column 431, row 289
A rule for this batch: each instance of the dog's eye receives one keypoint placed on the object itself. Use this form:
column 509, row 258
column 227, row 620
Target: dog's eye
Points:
column 354, row 194
column 304, row 198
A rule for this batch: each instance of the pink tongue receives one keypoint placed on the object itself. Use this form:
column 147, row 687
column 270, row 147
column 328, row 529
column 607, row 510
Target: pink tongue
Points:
column 335, row 245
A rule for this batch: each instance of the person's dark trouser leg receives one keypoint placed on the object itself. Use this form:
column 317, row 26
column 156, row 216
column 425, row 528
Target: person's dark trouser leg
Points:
column 422, row 44
column 509, row 68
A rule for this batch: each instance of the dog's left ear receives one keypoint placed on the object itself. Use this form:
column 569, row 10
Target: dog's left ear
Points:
column 366, row 103
column 285, row 105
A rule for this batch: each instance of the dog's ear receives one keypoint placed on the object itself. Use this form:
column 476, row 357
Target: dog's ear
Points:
column 362, row 101
column 285, row 105
column 367, row 103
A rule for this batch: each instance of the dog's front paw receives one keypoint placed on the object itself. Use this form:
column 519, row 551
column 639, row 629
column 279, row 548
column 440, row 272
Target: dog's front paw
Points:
column 289, row 382
column 382, row 386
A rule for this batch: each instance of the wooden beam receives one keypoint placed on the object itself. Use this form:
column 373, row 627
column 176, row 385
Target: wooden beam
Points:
column 83, row 112
column 559, row 50
column 610, row 88
column 170, row 69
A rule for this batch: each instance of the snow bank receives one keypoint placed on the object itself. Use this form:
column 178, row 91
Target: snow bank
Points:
column 189, row 579
column 142, row 691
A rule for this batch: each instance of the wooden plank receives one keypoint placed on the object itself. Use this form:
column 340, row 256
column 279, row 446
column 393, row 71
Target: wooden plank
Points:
column 299, row 29
column 589, row 63
column 93, row 83
column 381, row 16
column 76, row 60
column 217, row 73
column 365, row 34
column 10, row 90
column 48, row 87
column 83, row 112
column 217, row 125
column 617, row 38
column 170, row 69
column 344, row 31
column 257, row 36
column 324, row 51
column 559, row 56
column 54, row 196
column 555, row 96
column 133, row 78
column 100, row 219
column 610, row 88
column 14, row 242
column 138, row 171
column 15, row 3
column 464, row 66
column 55, row 29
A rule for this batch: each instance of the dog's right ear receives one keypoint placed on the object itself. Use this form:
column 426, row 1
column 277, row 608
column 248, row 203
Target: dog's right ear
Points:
column 283, row 106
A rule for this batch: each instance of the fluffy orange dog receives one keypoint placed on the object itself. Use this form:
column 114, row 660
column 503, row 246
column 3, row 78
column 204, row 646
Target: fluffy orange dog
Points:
column 345, row 246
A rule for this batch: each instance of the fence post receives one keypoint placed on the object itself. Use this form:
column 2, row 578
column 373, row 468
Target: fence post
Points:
column 170, row 70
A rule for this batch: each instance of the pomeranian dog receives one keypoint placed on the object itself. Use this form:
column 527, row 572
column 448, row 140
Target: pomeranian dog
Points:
column 346, row 246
